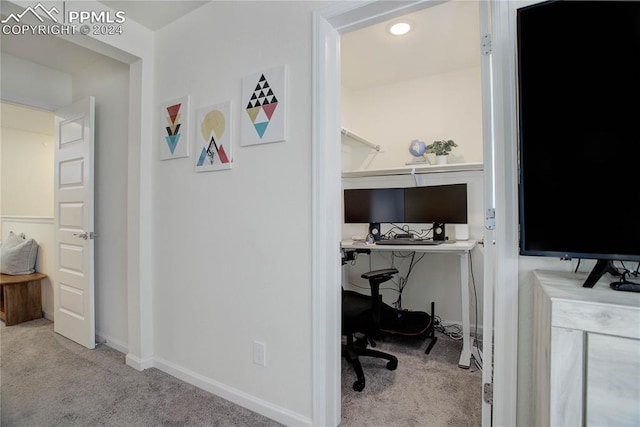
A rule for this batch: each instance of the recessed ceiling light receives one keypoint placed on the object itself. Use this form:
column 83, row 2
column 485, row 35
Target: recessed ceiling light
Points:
column 400, row 28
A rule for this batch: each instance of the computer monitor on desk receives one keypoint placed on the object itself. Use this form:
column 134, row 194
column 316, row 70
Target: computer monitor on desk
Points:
column 374, row 206
column 438, row 204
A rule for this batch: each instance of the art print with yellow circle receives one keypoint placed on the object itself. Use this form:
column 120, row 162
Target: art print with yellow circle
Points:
column 214, row 138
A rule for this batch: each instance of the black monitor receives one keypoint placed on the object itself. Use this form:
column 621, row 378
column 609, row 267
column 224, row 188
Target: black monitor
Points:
column 579, row 135
column 438, row 204
column 374, row 205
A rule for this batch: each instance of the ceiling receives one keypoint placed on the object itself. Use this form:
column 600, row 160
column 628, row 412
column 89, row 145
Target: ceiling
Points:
column 445, row 38
column 67, row 57
column 154, row 14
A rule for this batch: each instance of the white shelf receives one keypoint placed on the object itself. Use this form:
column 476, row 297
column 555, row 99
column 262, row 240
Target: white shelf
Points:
column 414, row 169
column 360, row 139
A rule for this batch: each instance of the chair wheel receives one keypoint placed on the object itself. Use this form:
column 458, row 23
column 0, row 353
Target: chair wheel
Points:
column 358, row 385
column 392, row 365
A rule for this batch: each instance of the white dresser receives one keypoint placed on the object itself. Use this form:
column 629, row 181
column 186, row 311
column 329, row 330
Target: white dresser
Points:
column 586, row 352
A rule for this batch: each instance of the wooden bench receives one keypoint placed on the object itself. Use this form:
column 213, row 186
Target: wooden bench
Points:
column 20, row 298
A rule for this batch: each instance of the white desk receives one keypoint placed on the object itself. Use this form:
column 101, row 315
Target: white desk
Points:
column 460, row 248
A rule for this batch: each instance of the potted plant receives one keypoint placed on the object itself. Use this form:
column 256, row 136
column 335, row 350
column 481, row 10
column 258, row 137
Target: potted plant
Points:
column 441, row 149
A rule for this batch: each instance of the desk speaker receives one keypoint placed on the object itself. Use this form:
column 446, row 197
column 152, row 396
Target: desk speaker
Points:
column 374, row 230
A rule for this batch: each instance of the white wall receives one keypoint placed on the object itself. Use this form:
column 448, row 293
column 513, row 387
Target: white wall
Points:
column 26, row 172
column 445, row 106
column 26, row 185
column 232, row 248
column 32, row 84
column 108, row 81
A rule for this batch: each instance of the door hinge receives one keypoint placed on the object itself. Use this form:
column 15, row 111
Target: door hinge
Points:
column 490, row 219
column 487, row 393
column 485, row 46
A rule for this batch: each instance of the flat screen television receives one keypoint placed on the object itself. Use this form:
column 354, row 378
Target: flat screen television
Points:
column 579, row 131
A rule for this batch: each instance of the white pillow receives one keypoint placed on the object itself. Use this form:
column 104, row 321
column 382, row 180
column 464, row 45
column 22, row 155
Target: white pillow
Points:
column 18, row 256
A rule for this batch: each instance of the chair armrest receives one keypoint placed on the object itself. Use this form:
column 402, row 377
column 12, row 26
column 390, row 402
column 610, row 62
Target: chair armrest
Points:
column 376, row 278
column 379, row 273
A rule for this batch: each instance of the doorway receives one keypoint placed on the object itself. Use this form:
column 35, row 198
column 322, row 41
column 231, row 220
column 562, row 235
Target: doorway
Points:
column 329, row 24
column 86, row 73
column 425, row 85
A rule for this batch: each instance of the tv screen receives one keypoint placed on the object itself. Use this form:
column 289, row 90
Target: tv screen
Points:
column 438, row 203
column 579, row 129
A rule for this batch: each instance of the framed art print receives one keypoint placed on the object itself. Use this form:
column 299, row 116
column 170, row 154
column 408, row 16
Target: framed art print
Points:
column 174, row 128
column 264, row 97
column 214, row 138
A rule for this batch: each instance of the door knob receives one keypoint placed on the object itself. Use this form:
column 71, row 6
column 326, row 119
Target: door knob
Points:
column 85, row 235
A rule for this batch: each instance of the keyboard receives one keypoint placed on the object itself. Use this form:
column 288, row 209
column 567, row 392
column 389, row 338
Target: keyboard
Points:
column 408, row 242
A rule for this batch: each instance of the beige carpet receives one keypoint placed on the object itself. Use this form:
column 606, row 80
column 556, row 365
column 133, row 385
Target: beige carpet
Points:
column 47, row 380
column 425, row 390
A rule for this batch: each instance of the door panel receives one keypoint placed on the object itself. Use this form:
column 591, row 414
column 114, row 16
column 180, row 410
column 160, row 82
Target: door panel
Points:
column 73, row 198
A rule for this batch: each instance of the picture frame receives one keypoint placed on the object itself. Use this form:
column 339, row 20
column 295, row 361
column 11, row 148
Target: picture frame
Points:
column 174, row 128
column 264, row 108
column 214, row 143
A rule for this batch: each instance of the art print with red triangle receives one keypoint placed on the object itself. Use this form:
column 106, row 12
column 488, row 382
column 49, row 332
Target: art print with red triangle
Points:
column 174, row 128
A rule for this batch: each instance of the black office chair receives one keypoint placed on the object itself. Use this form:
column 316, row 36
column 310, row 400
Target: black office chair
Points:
column 361, row 315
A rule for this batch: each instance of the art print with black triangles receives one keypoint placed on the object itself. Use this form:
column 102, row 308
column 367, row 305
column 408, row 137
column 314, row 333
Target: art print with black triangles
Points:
column 264, row 98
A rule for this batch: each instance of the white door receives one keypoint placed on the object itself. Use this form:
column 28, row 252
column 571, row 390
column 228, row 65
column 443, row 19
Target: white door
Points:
column 73, row 212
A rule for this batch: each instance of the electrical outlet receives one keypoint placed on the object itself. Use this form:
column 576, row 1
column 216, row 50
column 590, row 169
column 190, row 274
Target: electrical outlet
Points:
column 259, row 353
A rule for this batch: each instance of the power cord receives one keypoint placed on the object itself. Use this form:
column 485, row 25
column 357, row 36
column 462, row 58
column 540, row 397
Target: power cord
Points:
column 405, row 229
column 577, row 265
column 475, row 297
column 403, row 280
column 626, row 273
column 453, row 330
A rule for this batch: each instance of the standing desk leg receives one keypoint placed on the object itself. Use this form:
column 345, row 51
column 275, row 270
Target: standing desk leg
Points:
column 465, row 355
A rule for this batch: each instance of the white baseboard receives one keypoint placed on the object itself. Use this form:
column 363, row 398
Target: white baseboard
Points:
column 137, row 363
column 47, row 315
column 238, row 397
column 120, row 346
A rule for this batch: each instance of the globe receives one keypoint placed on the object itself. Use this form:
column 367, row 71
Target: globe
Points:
column 417, row 148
